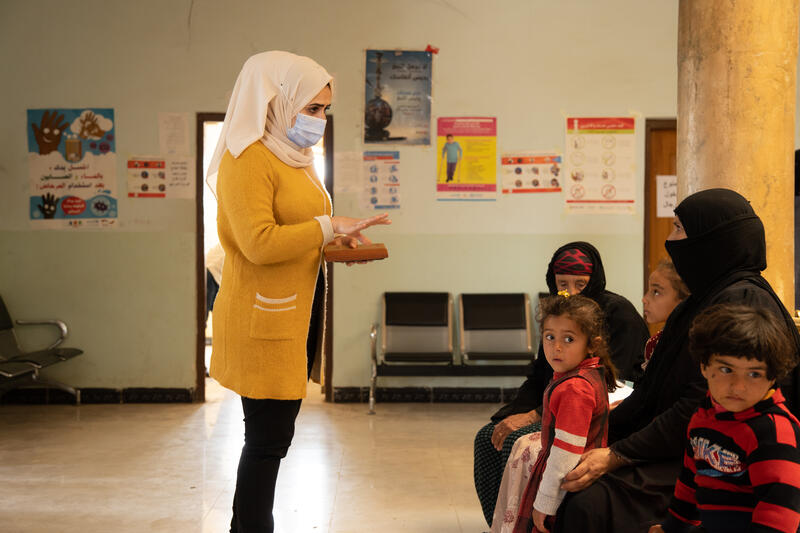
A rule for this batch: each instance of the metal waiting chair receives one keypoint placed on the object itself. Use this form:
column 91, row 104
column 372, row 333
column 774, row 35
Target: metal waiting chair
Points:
column 416, row 332
column 18, row 367
column 495, row 327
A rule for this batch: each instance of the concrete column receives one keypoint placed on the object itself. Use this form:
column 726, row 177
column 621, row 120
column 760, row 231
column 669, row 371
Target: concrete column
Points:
column 737, row 62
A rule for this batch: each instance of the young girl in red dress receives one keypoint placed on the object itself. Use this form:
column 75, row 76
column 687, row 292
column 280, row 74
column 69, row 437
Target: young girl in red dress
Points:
column 575, row 406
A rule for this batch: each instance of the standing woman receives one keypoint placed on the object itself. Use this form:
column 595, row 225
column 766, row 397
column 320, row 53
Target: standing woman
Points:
column 274, row 218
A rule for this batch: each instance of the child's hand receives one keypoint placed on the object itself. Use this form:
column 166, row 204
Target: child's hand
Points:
column 655, row 529
column 538, row 521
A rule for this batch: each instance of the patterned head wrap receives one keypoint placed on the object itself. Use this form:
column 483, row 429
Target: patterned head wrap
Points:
column 573, row 262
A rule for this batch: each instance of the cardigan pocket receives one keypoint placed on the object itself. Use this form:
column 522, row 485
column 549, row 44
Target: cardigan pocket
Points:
column 273, row 318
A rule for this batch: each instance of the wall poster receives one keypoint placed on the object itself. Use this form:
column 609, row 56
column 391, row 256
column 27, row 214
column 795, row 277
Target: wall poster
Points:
column 160, row 177
column 467, row 158
column 600, row 163
column 72, row 168
column 382, row 187
column 397, row 106
column 529, row 172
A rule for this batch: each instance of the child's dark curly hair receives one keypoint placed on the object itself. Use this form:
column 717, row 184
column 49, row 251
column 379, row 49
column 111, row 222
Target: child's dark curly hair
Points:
column 743, row 331
column 590, row 319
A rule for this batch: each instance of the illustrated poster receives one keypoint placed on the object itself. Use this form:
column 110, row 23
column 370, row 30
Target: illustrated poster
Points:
column 72, row 168
column 160, row 177
column 382, row 188
column 600, row 165
column 524, row 173
column 467, row 153
column 397, row 107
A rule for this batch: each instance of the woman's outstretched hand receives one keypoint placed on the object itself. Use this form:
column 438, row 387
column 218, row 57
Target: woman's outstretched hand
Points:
column 592, row 465
column 354, row 226
column 349, row 230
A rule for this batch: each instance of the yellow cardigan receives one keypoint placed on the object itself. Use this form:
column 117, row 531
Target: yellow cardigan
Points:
column 273, row 221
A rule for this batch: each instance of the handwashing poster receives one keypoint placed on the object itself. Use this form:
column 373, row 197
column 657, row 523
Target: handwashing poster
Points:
column 72, row 168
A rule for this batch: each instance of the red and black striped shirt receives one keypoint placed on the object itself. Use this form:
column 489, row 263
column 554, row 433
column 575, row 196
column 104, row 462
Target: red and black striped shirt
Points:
column 741, row 471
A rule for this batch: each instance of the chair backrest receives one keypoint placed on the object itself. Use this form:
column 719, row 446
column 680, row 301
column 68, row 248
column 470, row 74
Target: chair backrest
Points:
column 8, row 340
column 495, row 326
column 417, row 322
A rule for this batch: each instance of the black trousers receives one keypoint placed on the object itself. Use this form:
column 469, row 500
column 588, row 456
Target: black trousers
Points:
column 268, row 432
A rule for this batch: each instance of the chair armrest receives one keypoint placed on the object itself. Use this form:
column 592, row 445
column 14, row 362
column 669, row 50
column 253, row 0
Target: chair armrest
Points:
column 62, row 328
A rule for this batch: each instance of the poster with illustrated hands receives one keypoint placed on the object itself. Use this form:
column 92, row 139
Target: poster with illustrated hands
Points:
column 72, row 168
column 600, row 165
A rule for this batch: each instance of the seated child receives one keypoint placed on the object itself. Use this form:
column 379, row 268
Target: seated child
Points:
column 665, row 290
column 741, row 470
column 575, row 403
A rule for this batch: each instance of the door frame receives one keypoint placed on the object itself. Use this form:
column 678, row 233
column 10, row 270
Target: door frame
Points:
column 327, row 379
column 650, row 125
column 200, row 259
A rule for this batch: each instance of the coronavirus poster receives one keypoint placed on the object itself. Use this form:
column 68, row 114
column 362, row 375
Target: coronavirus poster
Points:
column 382, row 172
column 72, row 168
column 600, row 175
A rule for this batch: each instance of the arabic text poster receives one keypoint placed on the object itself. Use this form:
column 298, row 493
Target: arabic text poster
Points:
column 382, row 186
column 160, row 177
column 72, row 168
column 528, row 172
column 397, row 107
column 600, row 165
column 467, row 158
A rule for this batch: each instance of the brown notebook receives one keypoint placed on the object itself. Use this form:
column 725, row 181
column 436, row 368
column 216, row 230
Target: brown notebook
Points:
column 364, row 252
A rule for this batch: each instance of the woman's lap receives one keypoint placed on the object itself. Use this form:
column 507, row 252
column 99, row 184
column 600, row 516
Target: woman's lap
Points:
column 489, row 464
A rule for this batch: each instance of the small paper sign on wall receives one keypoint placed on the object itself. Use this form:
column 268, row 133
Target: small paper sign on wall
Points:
column 666, row 196
column 160, row 177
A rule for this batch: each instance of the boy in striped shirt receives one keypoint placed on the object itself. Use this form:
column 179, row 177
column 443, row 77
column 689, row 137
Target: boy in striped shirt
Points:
column 741, row 470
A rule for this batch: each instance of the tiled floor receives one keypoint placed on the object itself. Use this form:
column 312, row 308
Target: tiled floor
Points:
column 153, row 468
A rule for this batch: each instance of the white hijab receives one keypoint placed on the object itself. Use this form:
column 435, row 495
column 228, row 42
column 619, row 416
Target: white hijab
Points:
column 269, row 92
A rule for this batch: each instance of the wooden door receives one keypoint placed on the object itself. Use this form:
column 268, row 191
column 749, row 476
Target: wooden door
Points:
column 660, row 149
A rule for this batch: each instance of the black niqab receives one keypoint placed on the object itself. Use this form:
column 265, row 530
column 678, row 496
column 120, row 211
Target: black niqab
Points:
column 720, row 261
column 724, row 236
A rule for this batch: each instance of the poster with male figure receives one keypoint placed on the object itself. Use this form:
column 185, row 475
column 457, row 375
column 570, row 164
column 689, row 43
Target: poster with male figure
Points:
column 467, row 167
column 72, row 168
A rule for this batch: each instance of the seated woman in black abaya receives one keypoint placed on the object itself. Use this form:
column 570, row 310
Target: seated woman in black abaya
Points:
column 719, row 249
column 576, row 268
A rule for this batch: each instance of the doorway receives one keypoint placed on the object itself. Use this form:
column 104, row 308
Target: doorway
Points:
column 209, row 127
column 660, row 160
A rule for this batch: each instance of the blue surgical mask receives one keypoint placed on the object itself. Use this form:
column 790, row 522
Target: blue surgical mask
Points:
column 307, row 130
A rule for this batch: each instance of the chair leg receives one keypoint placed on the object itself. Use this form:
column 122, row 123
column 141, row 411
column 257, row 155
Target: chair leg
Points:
column 38, row 379
column 373, row 353
column 372, row 385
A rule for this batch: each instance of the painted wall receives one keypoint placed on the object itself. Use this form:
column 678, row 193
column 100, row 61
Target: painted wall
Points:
column 128, row 294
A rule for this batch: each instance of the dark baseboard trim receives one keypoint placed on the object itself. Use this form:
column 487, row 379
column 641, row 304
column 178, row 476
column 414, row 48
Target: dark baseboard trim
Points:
column 424, row 394
column 91, row 395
